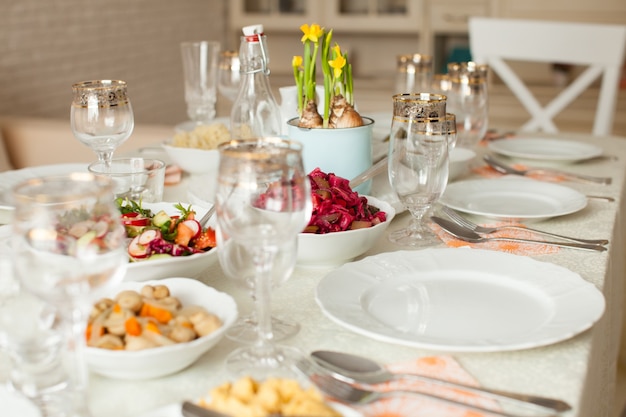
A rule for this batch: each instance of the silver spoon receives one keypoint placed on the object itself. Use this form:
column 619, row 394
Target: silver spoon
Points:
column 371, row 172
column 353, row 368
column 468, row 235
column 207, row 216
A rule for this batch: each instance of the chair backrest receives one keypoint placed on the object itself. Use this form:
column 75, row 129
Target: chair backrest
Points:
column 600, row 47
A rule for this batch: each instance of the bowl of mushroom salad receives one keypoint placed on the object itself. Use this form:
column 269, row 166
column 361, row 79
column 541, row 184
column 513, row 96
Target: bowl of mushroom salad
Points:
column 155, row 328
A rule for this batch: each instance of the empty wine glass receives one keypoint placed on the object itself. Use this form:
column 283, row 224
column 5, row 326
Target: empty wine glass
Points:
column 69, row 246
column 468, row 100
column 101, row 116
column 237, row 263
column 228, row 75
column 262, row 202
column 418, row 162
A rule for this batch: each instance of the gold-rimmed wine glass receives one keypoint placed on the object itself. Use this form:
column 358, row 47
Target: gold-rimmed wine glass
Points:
column 101, row 116
column 418, row 161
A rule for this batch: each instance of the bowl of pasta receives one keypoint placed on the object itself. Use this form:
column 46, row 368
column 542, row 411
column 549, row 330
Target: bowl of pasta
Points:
column 194, row 149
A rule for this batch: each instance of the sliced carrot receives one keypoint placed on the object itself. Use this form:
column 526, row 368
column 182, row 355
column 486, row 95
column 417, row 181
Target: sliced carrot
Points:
column 132, row 326
column 152, row 327
column 159, row 314
column 183, row 234
column 145, row 310
column 89, row 331
column 117, row 308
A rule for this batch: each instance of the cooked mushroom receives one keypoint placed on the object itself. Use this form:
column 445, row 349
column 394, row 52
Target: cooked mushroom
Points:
column 99, row 307
column 138, row 343
column 181, row 333
column 156, row 292
column 130, row 300
column 205, row 323
column 109, row 341
column 115, row 322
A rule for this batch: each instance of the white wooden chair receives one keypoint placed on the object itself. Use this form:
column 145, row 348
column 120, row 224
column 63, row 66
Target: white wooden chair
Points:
column 600, row 47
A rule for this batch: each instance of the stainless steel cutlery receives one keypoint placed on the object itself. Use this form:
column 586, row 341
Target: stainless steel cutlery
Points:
column 457, row 218
column 507, row 169
column 471, row 236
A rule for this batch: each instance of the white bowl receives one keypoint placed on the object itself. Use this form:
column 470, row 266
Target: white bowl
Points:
column 460, row 159
column 179, row 266
column 166, row 360
column 192, row 160
column 336, row 248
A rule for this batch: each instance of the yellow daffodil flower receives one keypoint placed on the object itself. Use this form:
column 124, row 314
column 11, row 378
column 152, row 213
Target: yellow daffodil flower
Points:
column 337, row 65
column 296, row 61
column 312, row 33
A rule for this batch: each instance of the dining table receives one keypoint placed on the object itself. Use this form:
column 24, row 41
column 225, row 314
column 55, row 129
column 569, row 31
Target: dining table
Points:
column 579, row 368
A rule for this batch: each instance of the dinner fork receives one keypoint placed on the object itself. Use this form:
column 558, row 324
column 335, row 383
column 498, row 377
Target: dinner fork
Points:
column 348, row 393
column 457, row 218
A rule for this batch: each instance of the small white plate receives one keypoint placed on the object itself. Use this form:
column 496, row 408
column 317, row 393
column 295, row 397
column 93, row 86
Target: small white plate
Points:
column 513, row 198
column 460, row 300
column 545, row 149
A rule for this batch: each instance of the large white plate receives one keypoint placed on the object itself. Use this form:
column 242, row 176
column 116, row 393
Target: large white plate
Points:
column 10, row 178
column 460, row 300
column 545, row 149
column 15, row 404
column 513, row 198
column 174, row 410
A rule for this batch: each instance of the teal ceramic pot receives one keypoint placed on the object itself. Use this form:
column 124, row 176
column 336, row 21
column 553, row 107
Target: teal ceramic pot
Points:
column 345, row 152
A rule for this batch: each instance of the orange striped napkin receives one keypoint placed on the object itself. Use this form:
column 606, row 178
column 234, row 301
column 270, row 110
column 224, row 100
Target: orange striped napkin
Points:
column 516, row 248
column 488, row 172
column 441, row 367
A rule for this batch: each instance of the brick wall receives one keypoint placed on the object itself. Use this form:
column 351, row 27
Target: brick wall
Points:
column 46, row 45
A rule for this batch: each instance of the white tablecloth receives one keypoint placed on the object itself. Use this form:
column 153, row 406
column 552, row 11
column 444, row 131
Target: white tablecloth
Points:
column 580, row 370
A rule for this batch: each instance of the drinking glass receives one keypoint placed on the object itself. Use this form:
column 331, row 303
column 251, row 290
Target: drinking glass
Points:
column 414, row 73
column 200, row 74
column 237, row 263
column 468, row 100
column 262, row 202
column 228, row 75
column 68, row 246
column 101, row 116
column 418, row 163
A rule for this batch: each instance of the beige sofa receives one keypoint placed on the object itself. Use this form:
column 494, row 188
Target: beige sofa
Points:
column 30, row 141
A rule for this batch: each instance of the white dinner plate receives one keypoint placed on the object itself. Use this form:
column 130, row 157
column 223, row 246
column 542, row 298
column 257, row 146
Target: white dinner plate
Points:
column 460, row 300
column 513, row 198
column 17, row 405
column 545, row 149
column 10, row 178
column 174, row 410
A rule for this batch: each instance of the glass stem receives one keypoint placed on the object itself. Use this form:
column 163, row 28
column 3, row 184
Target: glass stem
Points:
column 417, row 220
column 106, row 157
column 263, row 261
column 76, row 320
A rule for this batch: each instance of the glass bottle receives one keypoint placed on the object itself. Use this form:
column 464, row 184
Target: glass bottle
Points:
column 255, row 112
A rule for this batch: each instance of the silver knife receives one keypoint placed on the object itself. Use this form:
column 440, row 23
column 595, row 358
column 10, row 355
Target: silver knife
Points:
column 190, row 409
column 507, row 169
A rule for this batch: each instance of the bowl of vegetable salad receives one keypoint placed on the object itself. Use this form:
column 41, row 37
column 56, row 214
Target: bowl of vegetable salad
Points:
column 165, row 239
